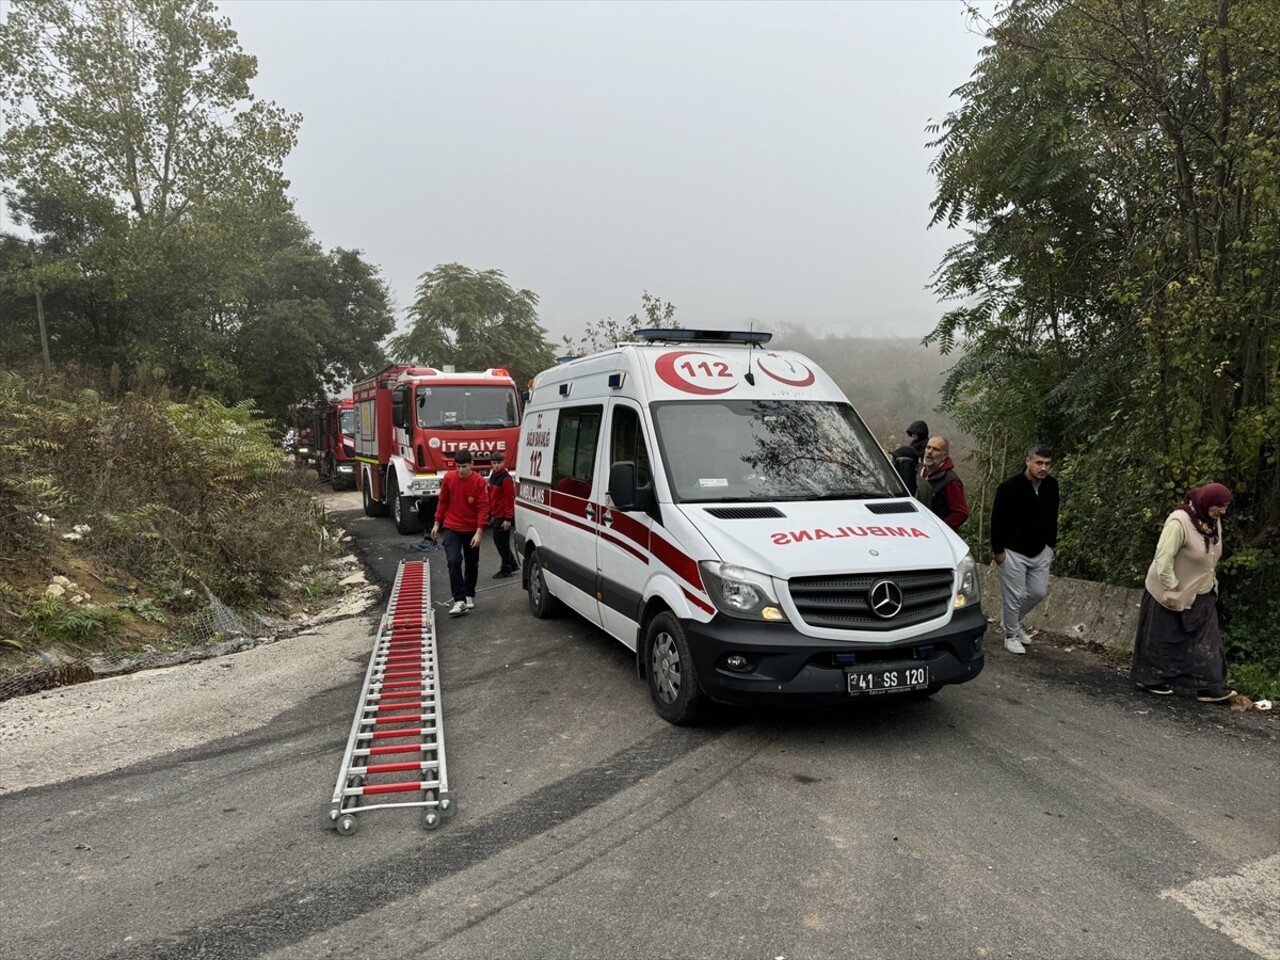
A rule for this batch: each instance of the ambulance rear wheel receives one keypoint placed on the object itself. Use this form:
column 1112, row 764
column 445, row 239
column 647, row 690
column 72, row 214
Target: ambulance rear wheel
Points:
column 541, row 603
column 673, row 679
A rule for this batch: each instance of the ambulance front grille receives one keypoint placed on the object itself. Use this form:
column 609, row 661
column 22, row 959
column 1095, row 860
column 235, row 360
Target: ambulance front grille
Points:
column 843, row 602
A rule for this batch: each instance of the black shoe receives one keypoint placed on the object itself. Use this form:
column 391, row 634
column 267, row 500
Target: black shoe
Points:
column 1159, row 689
column 502, row 574
column 1215, row 696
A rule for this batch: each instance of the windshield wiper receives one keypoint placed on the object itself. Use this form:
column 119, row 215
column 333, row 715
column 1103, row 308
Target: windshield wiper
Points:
column 851, row 495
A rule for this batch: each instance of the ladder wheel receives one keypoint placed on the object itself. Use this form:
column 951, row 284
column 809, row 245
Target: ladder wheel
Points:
column 430, row 820
column 346, row 825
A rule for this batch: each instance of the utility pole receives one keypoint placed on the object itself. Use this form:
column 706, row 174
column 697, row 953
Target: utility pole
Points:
column 44, row 333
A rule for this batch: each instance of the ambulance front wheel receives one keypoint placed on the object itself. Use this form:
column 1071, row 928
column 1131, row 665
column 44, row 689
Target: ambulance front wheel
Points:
column 673, row 681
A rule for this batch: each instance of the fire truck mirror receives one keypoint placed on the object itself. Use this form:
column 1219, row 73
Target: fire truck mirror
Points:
column 399, row 401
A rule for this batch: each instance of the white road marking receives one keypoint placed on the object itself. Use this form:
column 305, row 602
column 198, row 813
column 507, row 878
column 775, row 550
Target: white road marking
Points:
column 1244, row 905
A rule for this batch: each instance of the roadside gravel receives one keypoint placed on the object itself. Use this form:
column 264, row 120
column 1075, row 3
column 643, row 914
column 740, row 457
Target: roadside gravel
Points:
column 104, row 725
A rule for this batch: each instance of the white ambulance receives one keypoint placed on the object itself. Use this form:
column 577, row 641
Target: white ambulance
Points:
column 722, row 510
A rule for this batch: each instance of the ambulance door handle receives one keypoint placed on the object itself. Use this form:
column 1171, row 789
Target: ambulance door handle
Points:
column 607, row 519
column 590, row 512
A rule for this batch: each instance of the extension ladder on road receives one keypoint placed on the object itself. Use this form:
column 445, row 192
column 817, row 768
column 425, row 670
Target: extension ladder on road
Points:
column 398, row 714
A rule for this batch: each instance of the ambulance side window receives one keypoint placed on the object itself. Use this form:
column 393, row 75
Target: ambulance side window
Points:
column 627, row 443
column 573, row 463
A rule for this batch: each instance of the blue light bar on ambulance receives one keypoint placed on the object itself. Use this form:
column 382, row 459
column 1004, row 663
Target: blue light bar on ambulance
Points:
column 653, row 335
column 615, row 380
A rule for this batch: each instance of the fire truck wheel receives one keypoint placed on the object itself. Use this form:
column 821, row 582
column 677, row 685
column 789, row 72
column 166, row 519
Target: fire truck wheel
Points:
column 673, row 682
column 372, row 508
column 541, row 603
column 403, row 510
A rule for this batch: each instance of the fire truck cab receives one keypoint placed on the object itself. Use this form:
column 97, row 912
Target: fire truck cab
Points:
column 337, row 446
column 409, row 423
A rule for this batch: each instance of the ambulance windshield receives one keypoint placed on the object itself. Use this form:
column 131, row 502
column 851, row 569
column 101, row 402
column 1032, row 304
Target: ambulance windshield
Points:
column 458, row 407
column 752, row 450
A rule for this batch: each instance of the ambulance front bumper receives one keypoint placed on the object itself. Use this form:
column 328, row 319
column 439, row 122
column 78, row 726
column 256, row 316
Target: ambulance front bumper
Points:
column 783, row 665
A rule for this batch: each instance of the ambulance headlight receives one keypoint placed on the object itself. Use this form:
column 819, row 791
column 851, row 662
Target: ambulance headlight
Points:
column 968, row 593
column 740, row 592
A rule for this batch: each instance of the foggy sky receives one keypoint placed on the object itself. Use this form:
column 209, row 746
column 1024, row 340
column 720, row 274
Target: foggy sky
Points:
column 742, row 160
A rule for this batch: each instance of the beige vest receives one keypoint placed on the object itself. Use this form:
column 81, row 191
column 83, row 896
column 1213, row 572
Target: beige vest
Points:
column 1192, row 565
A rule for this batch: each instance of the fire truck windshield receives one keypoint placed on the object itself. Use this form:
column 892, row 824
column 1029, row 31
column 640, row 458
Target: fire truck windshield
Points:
column 466, row 407
column 347, row 423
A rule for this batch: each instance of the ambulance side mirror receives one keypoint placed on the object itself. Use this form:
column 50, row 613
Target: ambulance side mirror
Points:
column 623, row 492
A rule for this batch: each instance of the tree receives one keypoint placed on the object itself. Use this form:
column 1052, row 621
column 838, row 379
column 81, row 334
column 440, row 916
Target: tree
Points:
column 136, row 151
column 309, row 325
column 604, row 333
column 1115, row 167
column 474, row 321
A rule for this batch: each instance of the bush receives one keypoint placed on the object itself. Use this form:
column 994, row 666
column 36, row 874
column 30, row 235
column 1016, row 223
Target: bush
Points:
column 178, row 496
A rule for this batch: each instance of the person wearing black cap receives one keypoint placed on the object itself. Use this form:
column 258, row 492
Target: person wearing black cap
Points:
column 462, row 509
column 907, row 458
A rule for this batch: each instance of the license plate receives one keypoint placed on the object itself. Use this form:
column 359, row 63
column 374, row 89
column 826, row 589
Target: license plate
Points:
column 888, row 680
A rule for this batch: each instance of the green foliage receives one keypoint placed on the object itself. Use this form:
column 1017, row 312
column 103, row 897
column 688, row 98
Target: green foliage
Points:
column 1116, row 294
column 54, row 620
column 320, row 585
column 474, row 320
column 151, row 176
column 144, row 608
column 1258, row 681
column 177, row 495
column 605, row 333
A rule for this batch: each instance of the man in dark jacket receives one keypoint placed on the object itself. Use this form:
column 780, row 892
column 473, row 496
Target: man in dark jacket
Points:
column 907, row 458
column 502, row 513
column 1024, row 531
column 939, row 487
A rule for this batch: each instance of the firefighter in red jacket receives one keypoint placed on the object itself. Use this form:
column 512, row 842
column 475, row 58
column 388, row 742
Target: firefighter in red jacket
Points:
column 462, row 510
column 502, row 511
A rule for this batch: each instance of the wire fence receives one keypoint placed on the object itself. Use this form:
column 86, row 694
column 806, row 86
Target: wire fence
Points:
column 214, row 630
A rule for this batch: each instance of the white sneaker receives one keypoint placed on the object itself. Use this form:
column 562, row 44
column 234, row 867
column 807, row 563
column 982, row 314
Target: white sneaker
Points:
column 1014, row 645
column 471, row 603
column 458, row 608
column 1024, row 636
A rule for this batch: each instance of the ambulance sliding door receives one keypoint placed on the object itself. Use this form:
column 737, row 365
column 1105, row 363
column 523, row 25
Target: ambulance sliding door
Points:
column 570, row 538
column 622, row 547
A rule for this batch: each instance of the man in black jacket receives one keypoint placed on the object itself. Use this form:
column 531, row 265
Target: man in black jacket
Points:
column 907, row 458
column 1024, row 531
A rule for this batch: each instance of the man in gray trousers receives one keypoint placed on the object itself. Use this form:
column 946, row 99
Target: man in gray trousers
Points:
column 1024, row 531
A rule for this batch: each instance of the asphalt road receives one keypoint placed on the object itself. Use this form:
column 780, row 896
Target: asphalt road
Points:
column 1043, row 810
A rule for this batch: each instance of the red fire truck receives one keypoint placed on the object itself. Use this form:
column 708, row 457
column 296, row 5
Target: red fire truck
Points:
column 337, row 445
column 410, row 421
column 307, row 419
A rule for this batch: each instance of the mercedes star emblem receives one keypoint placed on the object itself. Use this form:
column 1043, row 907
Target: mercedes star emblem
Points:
column 886, row 599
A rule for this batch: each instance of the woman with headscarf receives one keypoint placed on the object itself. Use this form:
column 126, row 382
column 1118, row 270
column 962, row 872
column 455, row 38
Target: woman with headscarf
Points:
column 1178, row 643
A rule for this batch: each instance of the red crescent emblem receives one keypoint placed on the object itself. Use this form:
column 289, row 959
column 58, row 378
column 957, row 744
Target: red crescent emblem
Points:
column 668, row 373
column 802, row 376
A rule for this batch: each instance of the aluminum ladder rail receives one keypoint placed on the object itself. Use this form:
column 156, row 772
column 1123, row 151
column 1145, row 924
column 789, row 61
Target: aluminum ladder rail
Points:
column 398, row 714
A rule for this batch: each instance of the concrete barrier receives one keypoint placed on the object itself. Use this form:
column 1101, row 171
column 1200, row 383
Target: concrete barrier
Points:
column 1083, row 609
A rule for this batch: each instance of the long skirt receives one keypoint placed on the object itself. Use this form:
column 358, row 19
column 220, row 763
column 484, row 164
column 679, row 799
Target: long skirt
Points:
column 1182, row 648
